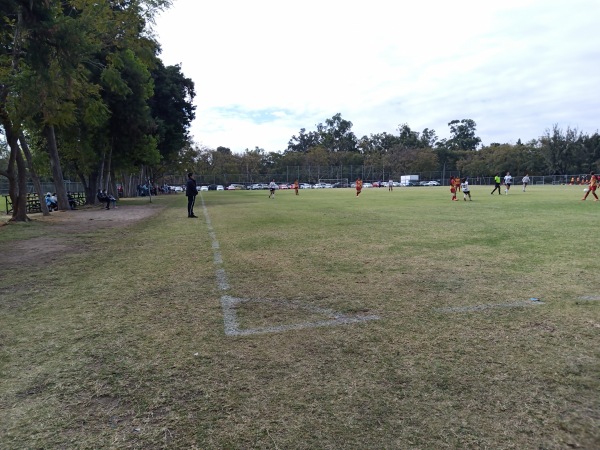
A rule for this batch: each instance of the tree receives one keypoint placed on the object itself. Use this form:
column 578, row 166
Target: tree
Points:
column 337, row 135
column 304, row 141
column 379, row 142
column 463, row 135
column 407, row 137
column 563, row 151
column 48, row 51
column 591, row 147
column 428, row 138
column 172, row 109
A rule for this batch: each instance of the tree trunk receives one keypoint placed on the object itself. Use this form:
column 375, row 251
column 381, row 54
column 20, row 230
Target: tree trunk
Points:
column 17, row 182
column 20, row 207
column 59, row 182
column 36, row 180
column 113, row 186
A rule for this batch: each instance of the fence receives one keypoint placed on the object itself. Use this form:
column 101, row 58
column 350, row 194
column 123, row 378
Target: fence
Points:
column 312, row 174
column 367, row 174
column 70, row 186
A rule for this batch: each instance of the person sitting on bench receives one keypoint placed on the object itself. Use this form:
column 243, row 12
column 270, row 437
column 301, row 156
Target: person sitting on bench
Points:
column 72, row 202
column 51, row 202
column 104, row 198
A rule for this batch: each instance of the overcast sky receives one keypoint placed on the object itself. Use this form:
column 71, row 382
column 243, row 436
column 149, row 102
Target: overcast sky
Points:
column 265, row 69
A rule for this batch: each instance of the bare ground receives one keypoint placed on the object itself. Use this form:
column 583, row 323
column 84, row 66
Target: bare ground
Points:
column 61, row 226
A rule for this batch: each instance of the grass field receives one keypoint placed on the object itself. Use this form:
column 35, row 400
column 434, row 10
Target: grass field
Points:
column 117, row 338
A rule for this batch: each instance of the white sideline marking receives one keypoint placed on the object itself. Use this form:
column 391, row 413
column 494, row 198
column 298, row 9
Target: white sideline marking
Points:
column 490, row 306
column 590, row 297
column 229, row 304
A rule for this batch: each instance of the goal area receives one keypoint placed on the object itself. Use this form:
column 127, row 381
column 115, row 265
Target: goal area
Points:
column 335, row 182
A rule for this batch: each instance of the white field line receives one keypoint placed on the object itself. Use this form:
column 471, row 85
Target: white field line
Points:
column 590, row 298
column 229, row 304
column 488, row 306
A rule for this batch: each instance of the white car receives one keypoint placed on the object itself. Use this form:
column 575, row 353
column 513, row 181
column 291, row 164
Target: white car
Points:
column 432, row 183
column 176, row 188
column 203, row 188
column 220, row 187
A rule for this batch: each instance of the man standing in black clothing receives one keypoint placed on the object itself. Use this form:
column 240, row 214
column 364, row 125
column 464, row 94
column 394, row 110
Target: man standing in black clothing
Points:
column 191, row 191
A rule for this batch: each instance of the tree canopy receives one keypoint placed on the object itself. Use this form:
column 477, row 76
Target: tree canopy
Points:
column 81, row 81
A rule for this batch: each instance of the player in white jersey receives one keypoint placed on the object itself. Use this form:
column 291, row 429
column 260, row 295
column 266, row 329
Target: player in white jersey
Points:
column 507, row 182
column 525, row 181
column 464, row 187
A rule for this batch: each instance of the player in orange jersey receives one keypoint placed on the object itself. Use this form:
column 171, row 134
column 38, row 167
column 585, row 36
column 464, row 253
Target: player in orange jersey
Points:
column 453, row 188
column 592, row 187
column 358, row 186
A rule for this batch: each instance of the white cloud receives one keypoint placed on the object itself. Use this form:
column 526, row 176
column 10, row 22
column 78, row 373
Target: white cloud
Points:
column 265, row 69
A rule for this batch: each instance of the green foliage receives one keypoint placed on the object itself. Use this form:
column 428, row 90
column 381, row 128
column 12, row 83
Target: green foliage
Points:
column 463, row 135
column 172, row 108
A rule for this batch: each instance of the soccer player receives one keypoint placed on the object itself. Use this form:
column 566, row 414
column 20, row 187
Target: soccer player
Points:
column 296, row 186
column 507, row 182
column 453, row 188
column 525, row 181
column 390, row 185
column 465, row 188
column 592, row 187
column 497, row 184
column 358, row 186
column 272, row 187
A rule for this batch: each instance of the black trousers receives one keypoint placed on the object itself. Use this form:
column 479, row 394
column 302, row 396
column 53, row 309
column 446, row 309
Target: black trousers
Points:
column 191, row 201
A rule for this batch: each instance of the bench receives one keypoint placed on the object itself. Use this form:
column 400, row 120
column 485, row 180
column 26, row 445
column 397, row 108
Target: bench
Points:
column 33, row 202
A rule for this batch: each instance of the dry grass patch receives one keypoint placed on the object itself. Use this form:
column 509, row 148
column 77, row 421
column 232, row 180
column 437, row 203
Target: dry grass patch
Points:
column 127, row 349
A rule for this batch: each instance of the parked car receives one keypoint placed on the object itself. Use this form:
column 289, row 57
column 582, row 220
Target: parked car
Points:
column 366, row 185
column 235, row 187
column 256, row 186
column 220, row 187
column 202, row 188
column 305, row 186
column 175, row 188
column 283, row 186
column 433, row 183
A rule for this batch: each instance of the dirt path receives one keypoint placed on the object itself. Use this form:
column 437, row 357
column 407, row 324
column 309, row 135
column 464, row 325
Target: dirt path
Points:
column 61, row 228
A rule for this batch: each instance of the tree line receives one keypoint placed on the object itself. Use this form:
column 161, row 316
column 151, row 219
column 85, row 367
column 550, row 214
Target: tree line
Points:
column 333, row 144
column 84, row 94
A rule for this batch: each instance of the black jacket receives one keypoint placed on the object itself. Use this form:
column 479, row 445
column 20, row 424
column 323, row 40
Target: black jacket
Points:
column 190, row 188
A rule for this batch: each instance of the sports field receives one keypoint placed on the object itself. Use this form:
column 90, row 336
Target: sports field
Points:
column 393, row 320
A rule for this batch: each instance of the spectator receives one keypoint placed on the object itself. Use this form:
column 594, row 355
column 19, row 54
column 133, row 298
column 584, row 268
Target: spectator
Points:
column 72, row 202
column 103, row 198
column 111, row 199
column 191, row 190
column 51, row 202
